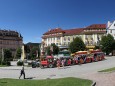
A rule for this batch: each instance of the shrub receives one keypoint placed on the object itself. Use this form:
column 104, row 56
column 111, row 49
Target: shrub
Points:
column 20, row 63
column 8, row 63
column 3, row 62
column 0, row 60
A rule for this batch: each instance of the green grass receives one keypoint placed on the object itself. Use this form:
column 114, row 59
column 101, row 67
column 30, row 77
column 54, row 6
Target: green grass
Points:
column 108, row 70
column 47, row 82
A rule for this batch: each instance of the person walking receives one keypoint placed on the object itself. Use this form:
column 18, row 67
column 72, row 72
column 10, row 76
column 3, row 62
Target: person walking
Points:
column 22, row 72
column 58, row 63
column 63, row 63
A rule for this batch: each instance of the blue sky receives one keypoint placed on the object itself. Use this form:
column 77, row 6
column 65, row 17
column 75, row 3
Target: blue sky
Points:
column 32, row 18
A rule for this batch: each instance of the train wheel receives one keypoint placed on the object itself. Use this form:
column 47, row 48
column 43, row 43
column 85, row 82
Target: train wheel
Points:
column 50, row 66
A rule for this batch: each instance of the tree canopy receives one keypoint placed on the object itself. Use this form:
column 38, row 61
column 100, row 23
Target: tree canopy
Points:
column 35, row 52
column 53, row 49
column 18, row 53
column 77, row 45
column 106, row 43
column 48, row 51
column 7, row 55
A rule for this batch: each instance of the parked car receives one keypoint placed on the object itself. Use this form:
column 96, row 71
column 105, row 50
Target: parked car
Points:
column 35, row 63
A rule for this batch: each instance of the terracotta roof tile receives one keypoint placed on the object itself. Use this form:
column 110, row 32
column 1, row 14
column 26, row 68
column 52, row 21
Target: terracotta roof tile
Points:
column 56, row 30
column 76, row 30
column 73, row 31
column 96, row 26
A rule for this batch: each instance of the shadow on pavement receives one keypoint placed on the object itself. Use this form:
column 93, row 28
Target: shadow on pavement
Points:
column 29, row 77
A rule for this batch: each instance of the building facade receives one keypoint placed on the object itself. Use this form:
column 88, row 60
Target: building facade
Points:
column 111, row 28
column 10, row 40
column 90, row 35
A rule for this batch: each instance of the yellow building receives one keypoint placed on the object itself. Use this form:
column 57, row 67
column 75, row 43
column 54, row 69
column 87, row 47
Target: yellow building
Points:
column 90, row 35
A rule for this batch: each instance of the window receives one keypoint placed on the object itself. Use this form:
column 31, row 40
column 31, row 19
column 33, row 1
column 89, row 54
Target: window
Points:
column 68, row 38
column 0, row 42
column 64, row 38
column 56, row 43
column 58, row 38
column 7, row 43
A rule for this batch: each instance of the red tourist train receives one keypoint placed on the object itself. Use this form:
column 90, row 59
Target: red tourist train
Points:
column 79, row 57
column 88, row 56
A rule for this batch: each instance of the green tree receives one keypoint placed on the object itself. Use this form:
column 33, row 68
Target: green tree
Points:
column 77, row 45
column 27, row 48
column 34, row 52
column 48, row 51
column 106, row 43
column 113, row 45
column 7, row 55
column 18, row 53
column 55, row 49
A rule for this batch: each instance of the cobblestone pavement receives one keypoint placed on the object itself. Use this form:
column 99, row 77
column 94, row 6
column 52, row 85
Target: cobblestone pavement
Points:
column 87, row 71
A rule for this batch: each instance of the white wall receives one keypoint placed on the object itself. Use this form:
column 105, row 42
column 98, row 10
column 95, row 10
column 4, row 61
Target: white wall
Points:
column 111, row 28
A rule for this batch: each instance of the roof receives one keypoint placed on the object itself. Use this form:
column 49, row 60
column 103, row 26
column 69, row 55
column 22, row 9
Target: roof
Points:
column 73, row 31
column 96, row 26
column 10, row 33
column 77, row 30
column 56, row 30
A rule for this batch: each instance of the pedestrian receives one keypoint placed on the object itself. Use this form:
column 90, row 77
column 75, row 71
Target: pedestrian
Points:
column 95, row 57
column 58, row 63
column 63, row 63
column 22, row 72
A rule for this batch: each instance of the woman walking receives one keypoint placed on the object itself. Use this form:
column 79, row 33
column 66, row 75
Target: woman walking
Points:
column 22, row 72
